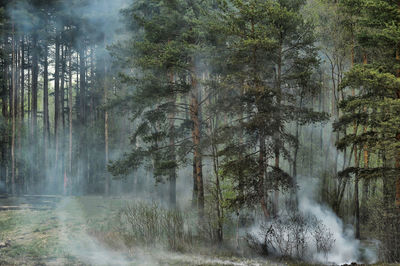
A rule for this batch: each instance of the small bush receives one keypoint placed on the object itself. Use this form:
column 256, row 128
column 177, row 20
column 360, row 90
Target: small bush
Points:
column 292, row 235
column 151, row 225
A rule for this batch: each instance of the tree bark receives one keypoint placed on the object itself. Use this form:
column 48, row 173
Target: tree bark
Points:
column 34, row 105
column 67, row 178
column 107, row 184
column 172, row 175
column 296, row 150
column 35, row 73
column 261, row 174
column 397, row 200
column 4, row 137
column 194, row 113
column 279, row 122
column 14, row 109
column 82, row 114
column 22, row 84
column 62, row 90
column 46, row 126
column 57, row 106
column 356, row 201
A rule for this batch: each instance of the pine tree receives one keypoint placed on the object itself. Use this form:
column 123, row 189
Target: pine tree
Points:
column 270, row 57
column 167, row 40
column 374, row 108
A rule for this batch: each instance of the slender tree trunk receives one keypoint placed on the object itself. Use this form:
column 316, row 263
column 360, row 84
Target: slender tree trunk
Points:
column 34, row 105
column 172, row 175
column 22, row 107
column 35, row 73
column 63, row 131
column 366, row 165
column 296, row 149
column 18, row 122
column 311, row 139
column 46, row 126
column 82, row 87
column 107, row 184
column 218, row 193
column 29, row 86
column 195, row 190
column 357, row 207
column 13, row 108
column 29, row 122
column 195, row 117
column 4, row 156
column 261, row 174
column 62, row 90
column 67, row 178
column 57, row 106
column 321, row 109
column 397, row 200
column 82, row 112
column 23, row 66
column 90, row 116
column 279, row 123
column 357, row 204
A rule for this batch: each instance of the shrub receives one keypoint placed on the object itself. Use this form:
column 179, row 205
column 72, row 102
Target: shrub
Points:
column 292, row 235
column 151, row 225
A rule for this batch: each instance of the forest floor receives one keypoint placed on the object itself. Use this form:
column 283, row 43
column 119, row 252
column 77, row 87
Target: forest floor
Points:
column 57, row 231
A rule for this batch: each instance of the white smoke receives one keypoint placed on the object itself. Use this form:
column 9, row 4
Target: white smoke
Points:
column 78, row 243
column 286, row 228
column 346, row 248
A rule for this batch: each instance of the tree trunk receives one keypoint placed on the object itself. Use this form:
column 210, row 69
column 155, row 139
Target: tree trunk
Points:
column 107, row 184
column 57, row 106
column 218, row 193
column 296, row 150
column 29, row 122
column 4, row 137
column 68, row 177
column 34, row 105
column 22, row 107
column 279, row 123
column 356, row 202
column 22, row 78
column 397, row 200
column 82, row 85
column 29, row 88
column 46, row 126
column 195, row 190
column 82, row 115
column 366, row 165
column 35, row 73
column 195, row 117
column 14, row 109
column 357, row 207
column 311, row 139
column 172, row 175
column 261, row 174
column 62, row 116
column 62, row 91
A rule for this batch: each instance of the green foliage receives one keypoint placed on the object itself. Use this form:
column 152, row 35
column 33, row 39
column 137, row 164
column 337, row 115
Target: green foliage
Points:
column 371, row 106
column 374, row 108
column 166, row 37
column 153, row 226
column 263, row 71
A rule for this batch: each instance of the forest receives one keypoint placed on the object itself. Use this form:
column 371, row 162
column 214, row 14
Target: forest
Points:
column 199, row 132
